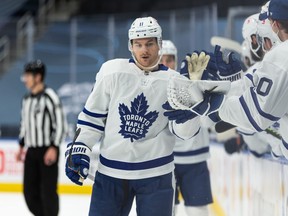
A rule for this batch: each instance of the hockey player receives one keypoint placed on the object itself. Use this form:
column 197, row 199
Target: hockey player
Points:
column 264, row 103
column 259, row 143
column 169, row 54
column 254, row 52
column 125, row 112
column 190, row 158
column 246, row 54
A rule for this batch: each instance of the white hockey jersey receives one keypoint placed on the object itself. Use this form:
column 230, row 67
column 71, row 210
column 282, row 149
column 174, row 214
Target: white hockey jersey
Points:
column 194, row 150
column 265, row 102
column 125, row 111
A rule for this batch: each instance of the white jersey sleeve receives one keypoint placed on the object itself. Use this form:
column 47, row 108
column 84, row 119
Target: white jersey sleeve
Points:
column 194, row 150
column 265, row 102
column 93, row 116
column 186, row 130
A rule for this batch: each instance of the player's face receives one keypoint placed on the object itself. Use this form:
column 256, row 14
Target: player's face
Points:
column 169, row 61
column 267, row 44
column 30, row 80
column 145, row 51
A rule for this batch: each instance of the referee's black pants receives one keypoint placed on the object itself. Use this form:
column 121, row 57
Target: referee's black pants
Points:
column 40, row 183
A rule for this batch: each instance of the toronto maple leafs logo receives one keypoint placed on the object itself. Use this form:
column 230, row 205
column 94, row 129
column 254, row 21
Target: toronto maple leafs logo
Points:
column 136, row 121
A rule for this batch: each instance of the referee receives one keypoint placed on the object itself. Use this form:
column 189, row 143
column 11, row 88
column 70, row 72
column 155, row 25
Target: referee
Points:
column 43, row 128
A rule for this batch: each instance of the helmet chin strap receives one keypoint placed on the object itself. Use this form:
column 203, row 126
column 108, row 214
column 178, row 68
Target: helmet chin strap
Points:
column 147, row 68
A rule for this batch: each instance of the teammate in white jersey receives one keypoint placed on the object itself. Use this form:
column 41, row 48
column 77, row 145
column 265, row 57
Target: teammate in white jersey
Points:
column 125, row 112
column 190, row 158
column 264, row 103
column 258, row 143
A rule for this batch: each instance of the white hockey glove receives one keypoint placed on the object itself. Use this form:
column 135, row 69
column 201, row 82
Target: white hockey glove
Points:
column 196, row 64
column 209, row 106
column 77, row 162
column 183, row 94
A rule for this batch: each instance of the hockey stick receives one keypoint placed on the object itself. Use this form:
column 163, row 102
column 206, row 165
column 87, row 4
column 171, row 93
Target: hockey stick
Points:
column 222, row 126
column 226, row 43
column 71, row 164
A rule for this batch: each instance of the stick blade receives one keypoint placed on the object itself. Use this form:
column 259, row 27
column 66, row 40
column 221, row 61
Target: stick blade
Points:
column 226, row 43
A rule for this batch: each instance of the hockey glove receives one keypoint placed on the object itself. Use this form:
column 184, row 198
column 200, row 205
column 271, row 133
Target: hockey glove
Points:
column 230, row 70
column 210, row 71
column 215, row 102
column 184, row 67
column 234, row 145
column 196, row 64
column 77, row 162
column 180, row 116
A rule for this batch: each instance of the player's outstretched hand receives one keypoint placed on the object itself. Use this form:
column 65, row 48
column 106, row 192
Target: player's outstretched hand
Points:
column 195, row 64
column 77, row 162
column 215, row 102
column 179, row 116
column 230, row 70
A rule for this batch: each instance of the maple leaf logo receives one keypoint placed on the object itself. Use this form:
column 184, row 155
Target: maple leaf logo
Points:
column 136, row 121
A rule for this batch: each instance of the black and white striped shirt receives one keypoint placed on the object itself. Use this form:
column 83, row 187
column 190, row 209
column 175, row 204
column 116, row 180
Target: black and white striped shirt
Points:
column 42, row 120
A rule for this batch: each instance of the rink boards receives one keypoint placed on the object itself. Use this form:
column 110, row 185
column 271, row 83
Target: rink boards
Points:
column 242, row 184
column 11, row 171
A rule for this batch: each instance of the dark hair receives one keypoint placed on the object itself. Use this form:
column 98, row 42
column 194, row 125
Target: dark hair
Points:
column 35, row 67
column 283, row 24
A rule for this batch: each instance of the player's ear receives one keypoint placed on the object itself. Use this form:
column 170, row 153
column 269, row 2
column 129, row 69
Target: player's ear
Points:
column 38, row 77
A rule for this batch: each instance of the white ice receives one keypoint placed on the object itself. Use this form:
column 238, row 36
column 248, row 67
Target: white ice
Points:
column 13, row 204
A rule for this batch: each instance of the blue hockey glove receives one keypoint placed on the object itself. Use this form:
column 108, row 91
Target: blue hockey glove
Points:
column 77, row 162
column 230, row 70
column 180, row 116
column 215, row 102
column 184, row 67
column 211, row 70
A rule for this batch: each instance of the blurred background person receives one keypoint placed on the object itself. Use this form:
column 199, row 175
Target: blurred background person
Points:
column 43, row 128
column 190, row 158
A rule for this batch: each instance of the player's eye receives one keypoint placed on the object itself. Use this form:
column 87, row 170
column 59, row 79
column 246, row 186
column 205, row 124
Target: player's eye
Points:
column 150, row 44
column 137, row 45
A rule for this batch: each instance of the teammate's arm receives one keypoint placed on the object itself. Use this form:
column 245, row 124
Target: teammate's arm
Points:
column 260, row 105
column 91, row 122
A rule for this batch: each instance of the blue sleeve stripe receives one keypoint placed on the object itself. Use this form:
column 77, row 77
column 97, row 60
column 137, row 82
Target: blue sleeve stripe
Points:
column 95, row 115
column 256, row 154
column 250, row 77
column 78, row 143
column 81, row 122
column 261, row 112
column 193, row 152
column 285, row 143
column 248, row 114
column 136, row 166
